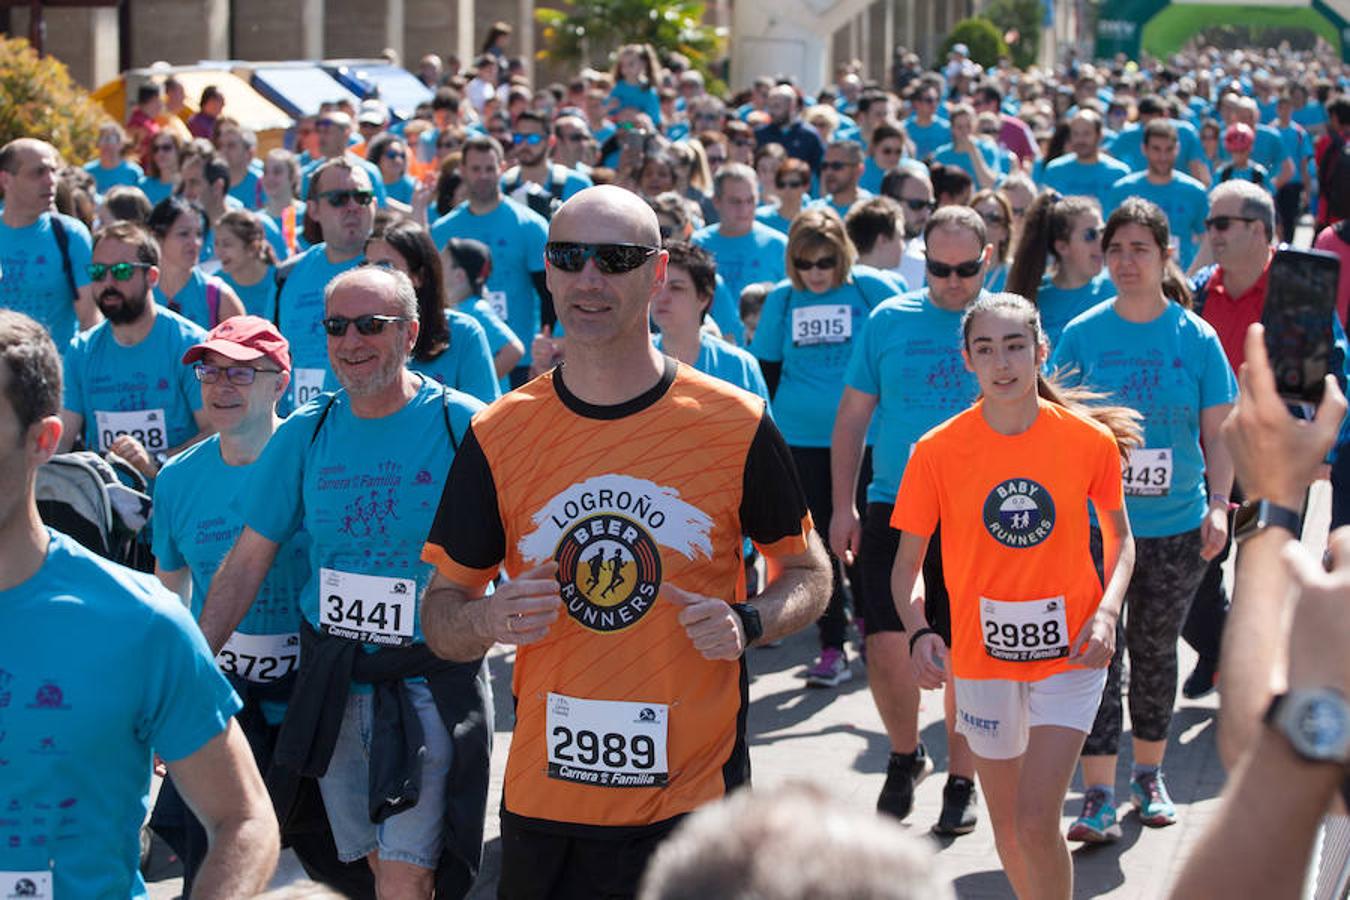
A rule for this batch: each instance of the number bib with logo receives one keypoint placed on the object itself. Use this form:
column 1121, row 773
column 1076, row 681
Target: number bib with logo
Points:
column 260, row 658
column 829, row 324
column 145, row 425
column 307, row 384
column 373, row 609
column 29, row 885
column 496, row 300
column 607, row 743
column 1026, row 631
column 1148, row 473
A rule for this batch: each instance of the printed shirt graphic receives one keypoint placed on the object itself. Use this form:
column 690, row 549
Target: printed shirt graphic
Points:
column 1014, row 521
column 657, row 491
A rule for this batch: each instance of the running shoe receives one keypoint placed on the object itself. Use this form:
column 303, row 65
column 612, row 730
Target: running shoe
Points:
column 904, row 771
column 958, row 808
column 1201, row 682
column 1150, row 796
column 1097, row 823
column 830, row 670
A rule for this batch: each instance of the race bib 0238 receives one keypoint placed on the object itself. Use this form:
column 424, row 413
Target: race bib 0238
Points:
column 147, row 426
column 607, row 743
column 307, row 384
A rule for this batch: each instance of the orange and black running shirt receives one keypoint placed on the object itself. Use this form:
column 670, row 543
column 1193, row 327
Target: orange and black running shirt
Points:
column 1015, row 534
column 620, row 722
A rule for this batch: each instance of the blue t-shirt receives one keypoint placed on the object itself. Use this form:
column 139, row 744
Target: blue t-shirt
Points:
column 402, row 189
column 366, row 491
column 101, row 668
column 731, row 364
column 1128, row 147
column 257, row 298
column 1310, row 116
column 909, row 358
column 300, row 319
column 1072, row 178
column 1268, row 150
column 1184, row 200
column 516, row 237
column 871, row 176
column 1059, row 306
column 125, row 172
column 466, row 365
column 642, row 97
column 758, row 255
column 144, row 391
column 249, row 190
column 996, row 277
column 769, row 214
column 154, row 189
column 841, row 208
column 32, row 276
column 948, row 155
column 927, row 138
column 813, row 336
column 1298, row 147
column 1169, row 370
column 498, row 333
column 191, row 301
column 726, row 311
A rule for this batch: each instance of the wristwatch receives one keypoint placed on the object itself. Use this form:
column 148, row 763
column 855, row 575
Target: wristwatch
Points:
column 1316, row 722
column 750, row 622
column 1255, row 516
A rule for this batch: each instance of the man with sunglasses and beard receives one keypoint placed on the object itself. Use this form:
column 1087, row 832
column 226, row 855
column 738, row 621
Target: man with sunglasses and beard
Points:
column 906, row 373
column 533, row 148
column 373, row 715
column 124, row 392
column 630, row 705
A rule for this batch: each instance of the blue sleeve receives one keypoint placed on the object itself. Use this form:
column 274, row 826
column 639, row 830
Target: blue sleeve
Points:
column 861, row 374
column 165, row 548
column 72, row 389
column 1065, row 358
column 1217, row 383
column 536, row 236
column 187, row 702
column 769, row 337
column 754, row 377
column 272, row 500
column 575, row 181
column 477, row 375
column 726, row 312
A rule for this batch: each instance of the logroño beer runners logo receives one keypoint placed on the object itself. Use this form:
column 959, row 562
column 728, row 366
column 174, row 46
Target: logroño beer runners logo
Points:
column 1019, row 513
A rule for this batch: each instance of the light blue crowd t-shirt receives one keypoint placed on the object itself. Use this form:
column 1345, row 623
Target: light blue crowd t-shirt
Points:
column 144, row 391
column 516, row 237
column 466, row 365
column 249, row 190
column 33, row 278
column 300, row 319
column 498, row 333
column 1128, row 147
column 1298, row 147
column 909, row 358
column 1184, row 200
column 402, row 189
column 948, row 155
column 100, row 668
column 257, row 298
column 927, row 138
column 1075, row 179
column 1311, row 115
column 642, row 97
column 154, row 189
column 1060, row 306
column 871, row 176
column 1268, row 150
column 366, row 491
column 813, row 336
column 731, row 364
column 125, row 172
column 841, row 208
column 191, row 301
column 890, row 276
column 771, row 215
column 1169, row 370
column 758, row 255
column 726, row 311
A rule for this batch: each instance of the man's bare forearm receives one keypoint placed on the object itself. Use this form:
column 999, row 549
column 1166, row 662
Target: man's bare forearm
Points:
column 235, row 586
column 241, row 860
column 452, row 623
column 798, row 595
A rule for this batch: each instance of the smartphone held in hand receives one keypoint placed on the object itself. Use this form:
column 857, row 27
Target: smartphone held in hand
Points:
column 1300, row 306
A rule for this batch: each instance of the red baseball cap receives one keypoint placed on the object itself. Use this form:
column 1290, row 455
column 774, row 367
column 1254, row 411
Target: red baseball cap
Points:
column 1239, row 136
column 244, row 339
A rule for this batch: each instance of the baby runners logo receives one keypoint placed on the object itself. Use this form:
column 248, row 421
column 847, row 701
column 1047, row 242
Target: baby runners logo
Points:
column 1019, row 513
column 606, row 534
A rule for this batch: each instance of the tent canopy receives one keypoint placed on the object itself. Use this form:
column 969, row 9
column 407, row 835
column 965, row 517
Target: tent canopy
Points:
column 400, row 90
column 298, row 88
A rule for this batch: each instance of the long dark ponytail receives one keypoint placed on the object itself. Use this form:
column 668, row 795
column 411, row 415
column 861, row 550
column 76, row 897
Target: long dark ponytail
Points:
column 1049, row 219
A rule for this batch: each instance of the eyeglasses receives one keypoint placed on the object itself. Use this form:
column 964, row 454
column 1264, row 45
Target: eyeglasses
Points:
column 967, row 269
column 835, row 165
column 1092, row 235
column 743, row 143
column 889, row 151
column 120, row 271
column 610, row 259
column 339, row 199
column 825, row 263
column 716, row 160
column 993, row 218
column 792, row 185
column 326, row 123
column 917, row 205
column 925, row 99
column 1223, row 223
column 240, row 376
column 447, row 145
column 1019, row 211
column 574, row 137
column 369, row 324
column 160, row 148
column 531, row 139
column 395, row 154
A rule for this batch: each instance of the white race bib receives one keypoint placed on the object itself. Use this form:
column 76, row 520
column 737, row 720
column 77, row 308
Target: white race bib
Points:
column 496, row 300
column 28, row 885
column 145, row 425
column 821, row 325
column 1148, row 473
column 307, row 384
column 260, row 658
column 1024, row 631
column 607, row 743
column 373, row 609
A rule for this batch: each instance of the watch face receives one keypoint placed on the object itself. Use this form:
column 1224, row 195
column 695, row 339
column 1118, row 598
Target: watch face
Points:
column 1322, row 725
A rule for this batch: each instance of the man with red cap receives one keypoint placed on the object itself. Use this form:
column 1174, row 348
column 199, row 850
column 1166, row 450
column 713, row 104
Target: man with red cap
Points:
column 243, row 366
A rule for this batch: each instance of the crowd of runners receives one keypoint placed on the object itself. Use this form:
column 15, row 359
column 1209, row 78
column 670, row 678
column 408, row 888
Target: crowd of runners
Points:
column 634, row 377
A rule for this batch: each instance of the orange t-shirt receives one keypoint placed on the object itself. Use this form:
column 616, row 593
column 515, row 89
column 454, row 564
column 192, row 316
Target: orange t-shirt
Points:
column 626, row 499
column 1014, row 534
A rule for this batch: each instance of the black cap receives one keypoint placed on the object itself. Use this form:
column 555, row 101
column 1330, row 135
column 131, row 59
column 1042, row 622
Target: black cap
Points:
column 473, row 257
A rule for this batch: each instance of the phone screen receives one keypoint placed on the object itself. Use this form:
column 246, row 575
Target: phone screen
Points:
column 1300, row 301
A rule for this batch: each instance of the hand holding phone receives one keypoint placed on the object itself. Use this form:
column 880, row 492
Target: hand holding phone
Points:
column 1299, row 309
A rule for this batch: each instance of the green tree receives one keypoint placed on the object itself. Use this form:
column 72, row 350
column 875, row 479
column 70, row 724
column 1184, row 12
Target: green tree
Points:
column 1022, row 18
column 981, row 36
column 588, row 31
column 39, row 99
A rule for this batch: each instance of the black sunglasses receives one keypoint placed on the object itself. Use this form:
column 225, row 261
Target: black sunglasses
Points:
column 825, row 263
column 369, row 324
column 240, row 376
column 610, row 259
column 835, row 165
column 1221, row 223
column 792, row 185
column 120, row 271
column 917, row 205
column 968, row 269
column 339, row 199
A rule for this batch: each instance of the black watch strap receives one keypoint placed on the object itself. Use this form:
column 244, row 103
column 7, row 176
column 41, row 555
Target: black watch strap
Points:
column 1255, row 516
column 750, row 622
column 918, row 634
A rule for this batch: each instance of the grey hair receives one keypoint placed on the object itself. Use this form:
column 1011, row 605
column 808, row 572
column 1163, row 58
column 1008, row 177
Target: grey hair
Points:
column 852, row 148
column 734, row 172
column 1256, row 202
column 404, row 292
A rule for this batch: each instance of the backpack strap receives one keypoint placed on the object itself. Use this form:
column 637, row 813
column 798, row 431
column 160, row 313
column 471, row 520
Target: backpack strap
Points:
column 323, row 416
column 212, row 302
column 63, row 244
column 279, row 276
